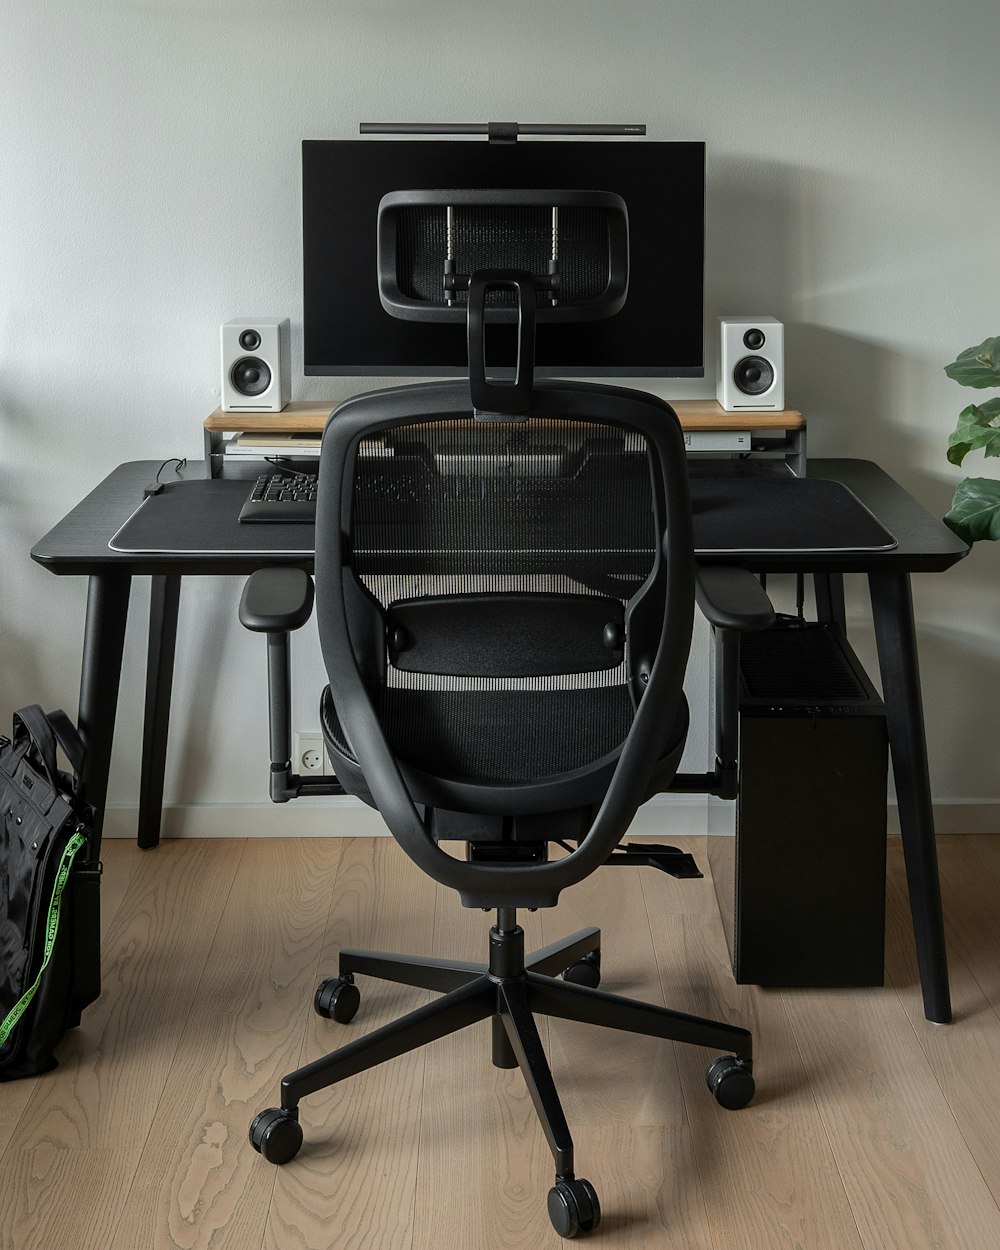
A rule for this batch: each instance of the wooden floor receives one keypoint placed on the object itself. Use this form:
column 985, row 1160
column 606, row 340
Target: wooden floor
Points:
column 871, row 1128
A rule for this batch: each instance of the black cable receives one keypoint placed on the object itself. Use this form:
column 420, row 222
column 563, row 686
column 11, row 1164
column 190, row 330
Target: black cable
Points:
column 304, row 473
column 156, row 485
column 276, row 461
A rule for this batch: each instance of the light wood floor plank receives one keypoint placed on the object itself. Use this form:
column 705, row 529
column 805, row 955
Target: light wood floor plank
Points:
column 14, row 1097
column 606, row 1077
column 81, row 1133
column 484, row 1166
column 353, row 1183
column 767, row 1173
column 623, row 1093
column 198, row 1183
column 872, row 1129
column 974, row 915
column 909, row 1173
column 965, row 1055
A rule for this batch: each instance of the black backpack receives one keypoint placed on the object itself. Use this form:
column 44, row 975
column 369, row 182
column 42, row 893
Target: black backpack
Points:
column 49, row 893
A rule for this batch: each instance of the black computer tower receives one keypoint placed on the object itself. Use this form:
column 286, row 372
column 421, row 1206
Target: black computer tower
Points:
column 801, row 886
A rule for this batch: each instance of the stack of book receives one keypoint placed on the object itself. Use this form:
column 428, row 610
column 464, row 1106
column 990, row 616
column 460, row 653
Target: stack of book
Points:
column 266, row 445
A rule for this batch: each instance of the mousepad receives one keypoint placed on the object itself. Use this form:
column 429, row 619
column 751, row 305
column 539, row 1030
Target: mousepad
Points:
column 202, row 517
column 782, row 514
column 731, row 514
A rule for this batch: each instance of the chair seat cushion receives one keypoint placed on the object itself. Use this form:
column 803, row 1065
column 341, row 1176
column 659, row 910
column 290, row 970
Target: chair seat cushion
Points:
column 501, row 736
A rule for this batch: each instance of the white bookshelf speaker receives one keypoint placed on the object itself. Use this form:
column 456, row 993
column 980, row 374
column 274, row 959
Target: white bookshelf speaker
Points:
column 256, row 365
column 751, row 364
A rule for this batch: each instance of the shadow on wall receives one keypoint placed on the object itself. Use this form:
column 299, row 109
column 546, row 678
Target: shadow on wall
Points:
column 753, row 224
column 763, row 223
column 962, row 726
column 769, row 231
column 859, row 397
column 844, row 386
column 30, row 600
column 955, row 669
column 864, row 399
column 215, row 686
column 21, row 675
column 773, row 232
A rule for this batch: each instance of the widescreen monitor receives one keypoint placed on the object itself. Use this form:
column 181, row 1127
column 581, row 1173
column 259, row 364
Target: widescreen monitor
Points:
column 658, row 332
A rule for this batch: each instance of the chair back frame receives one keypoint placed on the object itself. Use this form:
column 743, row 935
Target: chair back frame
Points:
column 508, row 885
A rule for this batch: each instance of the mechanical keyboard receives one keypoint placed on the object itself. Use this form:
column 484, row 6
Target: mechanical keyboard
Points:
column 281, row 497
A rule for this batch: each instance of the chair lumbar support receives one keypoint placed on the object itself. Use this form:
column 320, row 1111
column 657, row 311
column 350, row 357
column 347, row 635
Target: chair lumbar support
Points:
column 511, row 989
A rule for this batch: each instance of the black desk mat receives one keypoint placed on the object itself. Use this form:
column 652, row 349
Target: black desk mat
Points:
column 731, row 514
column 756, row 514
column 202, row 517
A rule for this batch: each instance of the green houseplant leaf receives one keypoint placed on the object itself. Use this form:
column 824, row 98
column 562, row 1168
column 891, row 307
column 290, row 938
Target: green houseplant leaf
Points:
column 978, row 426
column 975, row 509
column 977, row 366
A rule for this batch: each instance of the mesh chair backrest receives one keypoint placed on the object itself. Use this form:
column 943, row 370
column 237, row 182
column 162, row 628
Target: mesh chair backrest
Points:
column 522, row 235
column 591, row 498
column 431, row 242
column 553, row 522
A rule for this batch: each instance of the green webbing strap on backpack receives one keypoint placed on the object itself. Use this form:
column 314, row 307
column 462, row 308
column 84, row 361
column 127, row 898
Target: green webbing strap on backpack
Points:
column 51, row 929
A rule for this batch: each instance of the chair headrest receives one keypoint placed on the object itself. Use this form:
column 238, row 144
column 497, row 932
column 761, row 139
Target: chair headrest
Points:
column 573, row 243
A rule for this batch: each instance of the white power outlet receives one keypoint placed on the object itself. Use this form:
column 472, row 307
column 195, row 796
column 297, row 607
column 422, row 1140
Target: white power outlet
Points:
column 309, row 757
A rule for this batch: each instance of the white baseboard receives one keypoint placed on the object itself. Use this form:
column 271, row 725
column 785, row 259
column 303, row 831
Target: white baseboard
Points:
column 667, row 815
column 340, row 816
column 345, row 817
column 958, row 816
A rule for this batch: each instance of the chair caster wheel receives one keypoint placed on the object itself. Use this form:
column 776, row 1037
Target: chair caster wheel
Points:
column 586, row 971
column 337, row 998
column 276, row 1134
column 731, row 1082
column 573, row 1207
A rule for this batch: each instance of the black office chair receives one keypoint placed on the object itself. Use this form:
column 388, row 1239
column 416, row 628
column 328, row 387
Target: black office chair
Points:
column 505, row 585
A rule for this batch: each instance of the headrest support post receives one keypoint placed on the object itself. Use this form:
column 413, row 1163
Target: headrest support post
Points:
column 504, row 401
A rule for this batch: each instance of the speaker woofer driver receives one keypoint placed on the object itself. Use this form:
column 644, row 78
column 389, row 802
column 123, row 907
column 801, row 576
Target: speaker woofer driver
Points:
column 250, row 376
column 753, row 375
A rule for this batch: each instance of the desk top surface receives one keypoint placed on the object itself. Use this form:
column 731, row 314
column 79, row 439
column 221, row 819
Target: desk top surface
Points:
column 310, row 415
column 79, row 543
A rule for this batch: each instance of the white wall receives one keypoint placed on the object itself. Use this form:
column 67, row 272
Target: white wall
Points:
column 149, row 190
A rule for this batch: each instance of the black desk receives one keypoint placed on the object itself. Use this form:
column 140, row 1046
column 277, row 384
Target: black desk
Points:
column 79, row 545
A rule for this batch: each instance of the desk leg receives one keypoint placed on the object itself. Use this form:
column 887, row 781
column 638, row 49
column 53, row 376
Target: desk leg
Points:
column 103, row 643
column 895, row 637
column 164, row 598
column 829, row 591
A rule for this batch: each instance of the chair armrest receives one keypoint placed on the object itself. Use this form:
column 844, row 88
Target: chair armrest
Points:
column 732, row 598
column 276, row 600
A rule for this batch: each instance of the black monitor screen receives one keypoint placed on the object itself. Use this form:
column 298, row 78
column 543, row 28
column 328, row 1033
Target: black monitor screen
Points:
column 657, row 333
